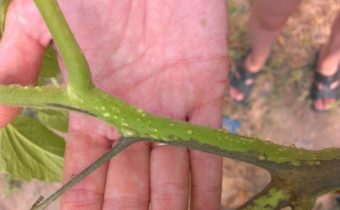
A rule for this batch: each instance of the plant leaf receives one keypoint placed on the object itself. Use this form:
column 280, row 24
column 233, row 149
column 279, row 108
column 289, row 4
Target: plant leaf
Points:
column 56, row 120
column 49, row 66
column 3, row 10
column 28, row 150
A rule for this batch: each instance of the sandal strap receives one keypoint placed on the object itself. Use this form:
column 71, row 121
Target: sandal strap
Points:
column 239, row 78
column 325, row 93
column 240, row 85
column 326, row 80
column 244, row 73
column 239, row 82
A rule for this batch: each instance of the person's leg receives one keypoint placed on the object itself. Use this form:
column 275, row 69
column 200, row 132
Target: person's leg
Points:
column 328, row 63
column 267, row 19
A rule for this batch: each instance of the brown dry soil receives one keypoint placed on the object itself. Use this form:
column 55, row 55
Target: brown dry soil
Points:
column 278, row 110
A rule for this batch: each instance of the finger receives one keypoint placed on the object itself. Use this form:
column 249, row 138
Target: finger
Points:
column 276, row 9
column 127, row 185
column 81, row 151
column 20, row 58
column 206, row 169
column 7, row 114
column 169, row 178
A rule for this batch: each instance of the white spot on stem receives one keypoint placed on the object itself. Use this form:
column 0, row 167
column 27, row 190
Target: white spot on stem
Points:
column 127, row 132
column 261, row 157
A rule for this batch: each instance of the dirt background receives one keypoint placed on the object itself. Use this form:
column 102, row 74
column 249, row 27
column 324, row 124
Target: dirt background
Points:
column 279, row 108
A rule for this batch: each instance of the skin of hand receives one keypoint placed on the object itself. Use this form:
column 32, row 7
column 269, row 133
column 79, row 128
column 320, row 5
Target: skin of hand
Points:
column 168, row 57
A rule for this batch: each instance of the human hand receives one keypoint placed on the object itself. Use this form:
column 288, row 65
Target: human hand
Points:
column 167, row 57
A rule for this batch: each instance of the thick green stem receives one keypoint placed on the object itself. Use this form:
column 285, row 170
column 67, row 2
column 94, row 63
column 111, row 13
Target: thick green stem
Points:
column 36, row 97
column 79, row 76
column 301, row 172
column 132, row 122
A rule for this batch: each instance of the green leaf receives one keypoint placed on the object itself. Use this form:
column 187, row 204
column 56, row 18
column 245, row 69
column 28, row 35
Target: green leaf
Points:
column 49, row 66
column 28, row 150
column 56, row 120
column 3, row 10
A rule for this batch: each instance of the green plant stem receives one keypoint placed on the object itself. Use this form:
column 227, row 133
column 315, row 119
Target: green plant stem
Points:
column 41, row 204
column 301, row 172
column 79, row 76
column 29, row 96
column 132, row 121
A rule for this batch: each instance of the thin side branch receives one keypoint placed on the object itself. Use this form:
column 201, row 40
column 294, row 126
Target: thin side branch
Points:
column 41, row 204
column 78, row 70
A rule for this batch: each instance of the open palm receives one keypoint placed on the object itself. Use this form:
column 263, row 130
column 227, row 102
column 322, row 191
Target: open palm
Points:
column 165, row 56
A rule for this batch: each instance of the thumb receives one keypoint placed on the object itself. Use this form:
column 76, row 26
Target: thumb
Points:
column 20, row 59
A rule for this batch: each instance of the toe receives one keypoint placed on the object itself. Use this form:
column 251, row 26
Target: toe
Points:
column 328, row 103
column 323, row 104
column 319, row 105
column 235, row 94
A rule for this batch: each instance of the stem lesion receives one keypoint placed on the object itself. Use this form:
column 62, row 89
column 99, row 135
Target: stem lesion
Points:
column 271, row 198
column 305, row 203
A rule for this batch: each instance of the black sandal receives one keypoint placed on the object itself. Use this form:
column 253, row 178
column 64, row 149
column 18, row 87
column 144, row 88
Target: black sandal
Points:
column 325, row 92
column 238, row 80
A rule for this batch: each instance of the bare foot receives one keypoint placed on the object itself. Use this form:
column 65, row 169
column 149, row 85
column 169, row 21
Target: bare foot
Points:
column 250, row 65
column 326, row 83
column 322, row 104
